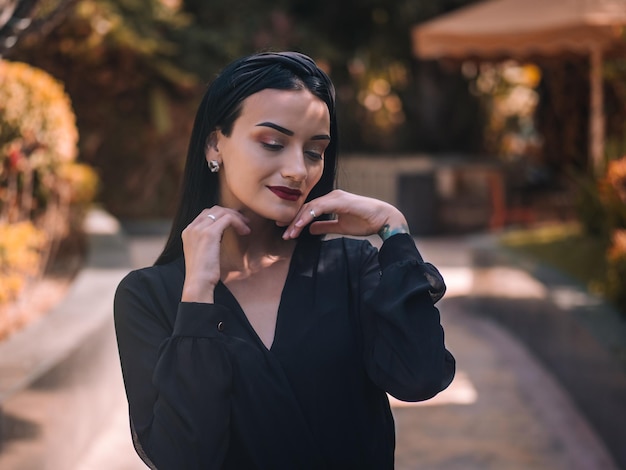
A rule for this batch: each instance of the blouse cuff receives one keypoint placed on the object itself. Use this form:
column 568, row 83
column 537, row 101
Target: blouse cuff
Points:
column 399, row 247
column 202, row 320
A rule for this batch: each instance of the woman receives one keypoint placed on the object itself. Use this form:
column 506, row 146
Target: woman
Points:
column 252, row 343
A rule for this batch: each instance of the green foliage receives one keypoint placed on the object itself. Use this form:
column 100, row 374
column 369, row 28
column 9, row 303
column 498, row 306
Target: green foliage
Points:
column 508, row 93
column 21, row 248
column 566, row 247
column 602, row 213
column 592, row 213
column 616, row 270
column 42, row 190
column 614, row 198
column 33, row 104
column 136, row 68
column 601, row 201
column 614, row 192
column 369, row 41
column 595, row 252
column 37, row 135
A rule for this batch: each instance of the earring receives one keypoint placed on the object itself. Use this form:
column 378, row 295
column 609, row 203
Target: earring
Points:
column 214, row 166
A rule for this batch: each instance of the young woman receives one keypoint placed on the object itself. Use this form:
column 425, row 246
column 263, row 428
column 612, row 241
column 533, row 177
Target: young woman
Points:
column 253, row 343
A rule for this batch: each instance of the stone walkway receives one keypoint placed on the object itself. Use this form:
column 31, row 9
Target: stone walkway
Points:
column 503, row 411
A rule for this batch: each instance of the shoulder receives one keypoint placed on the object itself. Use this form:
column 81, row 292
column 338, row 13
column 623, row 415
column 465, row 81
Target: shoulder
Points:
column 148, row 296
column 155, row 288
column 153, row 276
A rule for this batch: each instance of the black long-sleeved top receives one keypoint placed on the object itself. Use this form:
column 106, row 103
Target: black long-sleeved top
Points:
column 205, row 393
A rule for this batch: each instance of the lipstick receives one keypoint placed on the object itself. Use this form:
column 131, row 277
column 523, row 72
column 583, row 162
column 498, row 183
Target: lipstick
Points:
column 286, row 193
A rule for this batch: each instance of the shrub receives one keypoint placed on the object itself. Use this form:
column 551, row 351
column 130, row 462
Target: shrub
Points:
column 602, row 213
column 21, row 245
column 614, row 197
column 43, row 191
column 590, row 207
column 82, row 182
column 616, row 270
column 602, row 202
column 35, row 109
column 37, row 135
column 614, row 192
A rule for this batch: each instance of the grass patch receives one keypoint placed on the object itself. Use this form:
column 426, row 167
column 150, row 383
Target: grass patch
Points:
column 566, row 248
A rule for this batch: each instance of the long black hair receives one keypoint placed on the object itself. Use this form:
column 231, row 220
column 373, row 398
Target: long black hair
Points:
column 219, row 109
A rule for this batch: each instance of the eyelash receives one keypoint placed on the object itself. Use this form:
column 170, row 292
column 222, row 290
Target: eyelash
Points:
column 273, row 147
column 277, row 147
column 314, row 155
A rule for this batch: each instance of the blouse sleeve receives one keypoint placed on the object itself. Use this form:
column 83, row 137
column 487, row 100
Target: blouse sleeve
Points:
column 404, row 346
column 177, row 382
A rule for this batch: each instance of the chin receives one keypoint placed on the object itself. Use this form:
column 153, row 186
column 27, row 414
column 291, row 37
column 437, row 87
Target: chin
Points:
column 282, row 217
column 283, row 221
column 282, row 214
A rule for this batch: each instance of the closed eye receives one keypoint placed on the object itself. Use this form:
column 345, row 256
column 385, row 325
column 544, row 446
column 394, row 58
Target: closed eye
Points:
column 314, row 155
column 272, row 147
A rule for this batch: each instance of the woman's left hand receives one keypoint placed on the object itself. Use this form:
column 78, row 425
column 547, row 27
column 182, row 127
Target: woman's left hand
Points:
column 354, row 215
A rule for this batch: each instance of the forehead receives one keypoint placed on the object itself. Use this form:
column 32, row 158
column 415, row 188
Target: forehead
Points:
column 286, row 107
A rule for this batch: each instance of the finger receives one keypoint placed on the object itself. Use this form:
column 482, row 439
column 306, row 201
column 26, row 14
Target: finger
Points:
column 330, row 203
column 217, row 219
column 208, row 216
column 305, row 216
column 217, row 212
column 323, row 227
column 231, row 219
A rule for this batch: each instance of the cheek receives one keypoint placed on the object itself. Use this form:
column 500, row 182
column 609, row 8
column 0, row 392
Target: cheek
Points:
column 313, row 178
column 242, row 162
column 315, row 175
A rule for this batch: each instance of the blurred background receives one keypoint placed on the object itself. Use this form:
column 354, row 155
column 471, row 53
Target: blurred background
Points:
column 500, row 117
column 503, row 116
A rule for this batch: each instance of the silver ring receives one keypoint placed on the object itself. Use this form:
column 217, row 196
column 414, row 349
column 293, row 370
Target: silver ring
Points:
column 312, row 212
column 212, row 217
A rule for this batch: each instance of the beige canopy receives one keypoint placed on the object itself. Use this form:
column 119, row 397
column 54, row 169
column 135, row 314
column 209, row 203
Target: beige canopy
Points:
column 521, row 29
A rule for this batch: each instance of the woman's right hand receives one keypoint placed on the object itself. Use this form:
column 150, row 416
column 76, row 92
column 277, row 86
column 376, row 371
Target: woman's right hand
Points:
column 201, row 248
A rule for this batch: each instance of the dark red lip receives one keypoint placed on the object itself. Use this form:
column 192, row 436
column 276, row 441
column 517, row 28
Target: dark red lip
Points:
column 284, row 192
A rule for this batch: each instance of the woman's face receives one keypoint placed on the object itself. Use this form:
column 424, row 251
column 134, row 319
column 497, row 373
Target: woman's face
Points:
column 274, row 155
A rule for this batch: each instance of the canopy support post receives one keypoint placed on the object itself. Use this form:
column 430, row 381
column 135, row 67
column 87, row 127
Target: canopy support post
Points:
column 596, row 112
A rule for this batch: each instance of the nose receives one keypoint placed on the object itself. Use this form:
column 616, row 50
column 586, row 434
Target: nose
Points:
column 294, row 166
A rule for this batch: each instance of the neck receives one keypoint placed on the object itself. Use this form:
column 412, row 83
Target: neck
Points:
column 249, row 253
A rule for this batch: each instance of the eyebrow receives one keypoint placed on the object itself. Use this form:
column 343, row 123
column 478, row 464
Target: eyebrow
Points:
column 282, row 130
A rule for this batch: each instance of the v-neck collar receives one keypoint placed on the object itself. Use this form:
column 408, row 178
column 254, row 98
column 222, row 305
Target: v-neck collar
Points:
column 297, row 266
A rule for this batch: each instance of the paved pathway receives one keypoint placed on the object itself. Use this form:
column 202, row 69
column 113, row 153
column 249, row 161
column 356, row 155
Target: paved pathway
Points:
column 503, row 411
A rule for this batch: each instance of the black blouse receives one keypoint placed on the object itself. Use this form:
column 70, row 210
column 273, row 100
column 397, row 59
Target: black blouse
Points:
column 204, row 392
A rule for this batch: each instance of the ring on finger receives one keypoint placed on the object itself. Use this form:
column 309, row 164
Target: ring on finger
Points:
column 212, row 217
column 312, row 212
